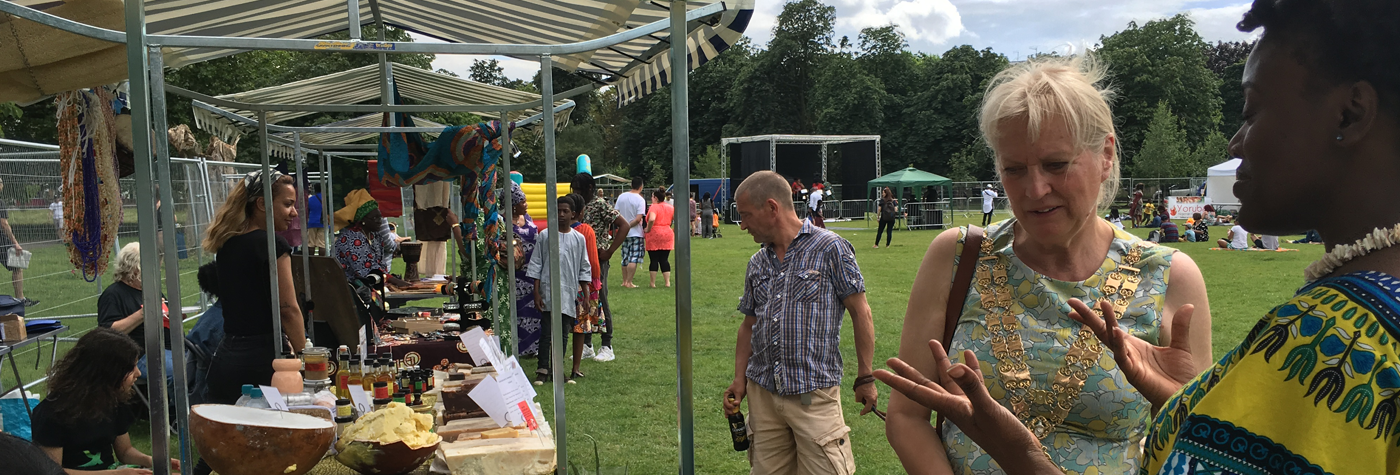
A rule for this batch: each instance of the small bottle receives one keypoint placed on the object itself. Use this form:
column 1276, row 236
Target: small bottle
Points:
column 258, row 400
column 401, row 397
column 380, row 403
column 738, row 430
column 381, row 390
column 404, row 378
column 247, row 394
column 344, row 408
column 369, row 371
column 355, row 376
column 385, row 374
column 343, row 423
column 342, row 372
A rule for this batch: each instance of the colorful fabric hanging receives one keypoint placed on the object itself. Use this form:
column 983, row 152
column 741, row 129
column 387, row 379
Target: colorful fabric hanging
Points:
column 92, row 204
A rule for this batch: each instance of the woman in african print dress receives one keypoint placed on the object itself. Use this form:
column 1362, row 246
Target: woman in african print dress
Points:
column 528, row 318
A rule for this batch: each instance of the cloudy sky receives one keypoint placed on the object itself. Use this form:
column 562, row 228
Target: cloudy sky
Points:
column 1016, row 28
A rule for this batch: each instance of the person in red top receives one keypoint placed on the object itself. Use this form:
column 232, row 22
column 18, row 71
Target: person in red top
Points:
column 660, row 239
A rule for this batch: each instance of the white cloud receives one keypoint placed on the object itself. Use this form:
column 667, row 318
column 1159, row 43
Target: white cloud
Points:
column 461, row 63
column 933, row 21
column 1016, row 28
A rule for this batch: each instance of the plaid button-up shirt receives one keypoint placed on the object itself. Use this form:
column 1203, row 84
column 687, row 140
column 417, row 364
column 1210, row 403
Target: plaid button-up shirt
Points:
column 798, row 306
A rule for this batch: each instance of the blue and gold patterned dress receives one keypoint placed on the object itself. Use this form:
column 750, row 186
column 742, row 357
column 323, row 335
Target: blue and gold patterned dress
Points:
column 1103, row 431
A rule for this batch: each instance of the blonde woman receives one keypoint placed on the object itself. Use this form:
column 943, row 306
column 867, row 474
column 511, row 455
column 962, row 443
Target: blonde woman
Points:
column 1052, row 132
column 121, row 307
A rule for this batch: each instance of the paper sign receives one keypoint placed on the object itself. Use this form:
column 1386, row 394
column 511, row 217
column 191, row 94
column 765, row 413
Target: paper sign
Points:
column 274, row 398
column 529, row 416
column 515, row 389
column 471, row 338
column 488, row 396
column 491, row 347
column 517, row 375
column 360, row 399
column 364, row 346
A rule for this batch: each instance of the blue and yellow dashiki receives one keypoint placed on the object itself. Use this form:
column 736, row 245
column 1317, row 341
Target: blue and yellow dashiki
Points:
column 1313, row 388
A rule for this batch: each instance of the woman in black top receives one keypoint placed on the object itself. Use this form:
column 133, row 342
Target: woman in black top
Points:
column 889, row 210
column 83, row 423
column 239, row 236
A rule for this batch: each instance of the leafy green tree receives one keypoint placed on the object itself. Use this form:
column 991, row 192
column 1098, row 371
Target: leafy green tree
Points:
column 1164, row 152
column 941, row 120
column 708, row 164
column 1160, row 61
column 852, row 100
column 1212, row 151
column 774, row 95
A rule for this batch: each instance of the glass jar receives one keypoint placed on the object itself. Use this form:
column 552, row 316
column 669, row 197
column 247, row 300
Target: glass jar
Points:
column 317, row 363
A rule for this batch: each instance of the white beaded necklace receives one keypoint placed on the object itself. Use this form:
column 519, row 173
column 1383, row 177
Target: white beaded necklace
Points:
column 1376, row 240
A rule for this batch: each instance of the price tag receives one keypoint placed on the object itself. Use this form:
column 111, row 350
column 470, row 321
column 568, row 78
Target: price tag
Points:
column 360, row 399
column 529, row 416
column 364, row 345
column 274, row 398
column 470, row 338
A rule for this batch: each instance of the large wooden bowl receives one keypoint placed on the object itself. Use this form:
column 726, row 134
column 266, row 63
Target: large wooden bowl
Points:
column 250, row 441
column 375, row 458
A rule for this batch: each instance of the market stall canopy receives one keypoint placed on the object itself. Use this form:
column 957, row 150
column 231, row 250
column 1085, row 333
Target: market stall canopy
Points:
column 361, row 85
column 340, row 138
column 1220, row 183
column 907, row 178
column 638, row 67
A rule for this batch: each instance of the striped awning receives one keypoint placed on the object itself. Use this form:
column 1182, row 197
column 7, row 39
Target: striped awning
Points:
column 341, row 138
column 638, row 67
column 361, row 85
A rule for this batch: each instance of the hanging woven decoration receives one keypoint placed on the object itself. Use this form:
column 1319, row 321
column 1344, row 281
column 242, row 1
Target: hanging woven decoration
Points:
column 92, row 203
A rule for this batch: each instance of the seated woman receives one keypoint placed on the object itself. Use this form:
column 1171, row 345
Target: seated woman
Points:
column 1314, row 387
column 363, row 243
column 83, row 422
column 121, row 308
column 1057, row 174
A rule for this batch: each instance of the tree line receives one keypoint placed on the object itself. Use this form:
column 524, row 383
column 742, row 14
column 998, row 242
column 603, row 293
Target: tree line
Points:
column 1177, row 99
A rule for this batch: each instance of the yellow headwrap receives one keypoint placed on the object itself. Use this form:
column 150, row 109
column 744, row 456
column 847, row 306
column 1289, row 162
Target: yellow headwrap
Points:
column 357, row 204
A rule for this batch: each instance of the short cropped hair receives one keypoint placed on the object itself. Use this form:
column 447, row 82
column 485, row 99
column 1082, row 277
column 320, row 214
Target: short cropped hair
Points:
column 1041, row 89
column 637, row 182
column 129, row 263
column 1338, row 41
column 763, row 186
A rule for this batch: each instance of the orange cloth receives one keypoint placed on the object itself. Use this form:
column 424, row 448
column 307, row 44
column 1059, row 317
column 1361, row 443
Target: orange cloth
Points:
column 591, row 238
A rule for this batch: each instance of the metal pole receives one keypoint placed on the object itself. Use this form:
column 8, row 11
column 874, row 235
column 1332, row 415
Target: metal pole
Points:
column 824, row 162
column 302, row 209
column 680, row 167
column 145, row 212
column 172, row 261
column 271, row 236
column 510, row 232
column 326, row 194
column 457, row 248
column 556, row 322
column 352, row 11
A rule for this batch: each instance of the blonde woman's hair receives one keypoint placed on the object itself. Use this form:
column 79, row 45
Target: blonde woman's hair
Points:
column 128, row 263
column 232, row 217
column 1040, row 89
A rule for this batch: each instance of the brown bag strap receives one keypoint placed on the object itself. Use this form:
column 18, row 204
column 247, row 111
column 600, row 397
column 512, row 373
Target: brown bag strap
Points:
column 962, row 282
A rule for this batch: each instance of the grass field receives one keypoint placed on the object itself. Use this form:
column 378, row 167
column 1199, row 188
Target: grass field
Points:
column 628, row 406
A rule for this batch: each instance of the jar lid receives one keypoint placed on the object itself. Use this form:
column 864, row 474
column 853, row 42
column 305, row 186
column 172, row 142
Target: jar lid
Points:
column 380, row 384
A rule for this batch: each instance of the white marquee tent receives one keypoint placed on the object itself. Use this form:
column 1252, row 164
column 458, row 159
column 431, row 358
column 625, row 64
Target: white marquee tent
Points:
column 1220, row 183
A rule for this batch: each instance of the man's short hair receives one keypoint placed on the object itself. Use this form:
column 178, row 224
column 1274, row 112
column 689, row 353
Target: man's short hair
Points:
column 637, row 182
column 763, row 186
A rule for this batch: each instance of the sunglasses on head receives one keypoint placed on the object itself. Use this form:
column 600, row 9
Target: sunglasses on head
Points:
column 255, row 183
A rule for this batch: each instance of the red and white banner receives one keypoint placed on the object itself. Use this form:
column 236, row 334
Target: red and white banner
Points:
column 1182, row 207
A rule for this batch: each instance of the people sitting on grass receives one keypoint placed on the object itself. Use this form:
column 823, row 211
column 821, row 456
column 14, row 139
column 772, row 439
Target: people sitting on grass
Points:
column 1200, row 231
column 1265, row 242
column 121, row 307
column 83, row 422
column 1310, row 237
column 1170, row 233
column 1237, row 238
column 1115, row 218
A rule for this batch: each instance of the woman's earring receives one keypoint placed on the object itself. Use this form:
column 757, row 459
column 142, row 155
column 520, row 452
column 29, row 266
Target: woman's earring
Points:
column 1339, row 137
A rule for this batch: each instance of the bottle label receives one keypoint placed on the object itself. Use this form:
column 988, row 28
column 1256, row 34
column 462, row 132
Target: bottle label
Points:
column 316, row 367
column 381, row 392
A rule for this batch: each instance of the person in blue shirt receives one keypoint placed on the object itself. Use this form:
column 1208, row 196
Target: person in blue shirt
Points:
column 315, row 226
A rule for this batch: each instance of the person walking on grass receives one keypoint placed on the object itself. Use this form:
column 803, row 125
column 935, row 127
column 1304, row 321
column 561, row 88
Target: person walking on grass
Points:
column 989, row 198
column 575, row 272
column 787, row 357
column 8, row 244
column 889, row 211
column 661, row 239
column 633, row 208
column 611, row 228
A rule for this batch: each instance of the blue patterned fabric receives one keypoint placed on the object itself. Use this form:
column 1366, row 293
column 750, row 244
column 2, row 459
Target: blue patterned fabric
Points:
column 798, row 305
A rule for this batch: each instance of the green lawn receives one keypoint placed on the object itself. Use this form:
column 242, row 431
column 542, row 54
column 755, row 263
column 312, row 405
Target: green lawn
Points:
column 629, row 406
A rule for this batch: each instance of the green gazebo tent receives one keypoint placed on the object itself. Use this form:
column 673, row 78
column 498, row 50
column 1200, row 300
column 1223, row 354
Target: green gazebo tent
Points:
column 908, row 178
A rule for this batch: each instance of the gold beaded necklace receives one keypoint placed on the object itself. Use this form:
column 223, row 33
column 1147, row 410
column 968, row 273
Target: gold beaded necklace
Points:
column 1119, row 286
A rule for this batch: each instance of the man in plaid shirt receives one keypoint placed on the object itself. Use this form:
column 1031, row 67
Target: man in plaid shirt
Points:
column 788, row 357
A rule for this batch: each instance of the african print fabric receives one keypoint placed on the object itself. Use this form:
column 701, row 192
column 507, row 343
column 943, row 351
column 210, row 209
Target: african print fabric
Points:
column 1314, row 388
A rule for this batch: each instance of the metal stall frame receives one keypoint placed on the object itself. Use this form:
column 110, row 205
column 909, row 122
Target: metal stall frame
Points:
column 145, row 70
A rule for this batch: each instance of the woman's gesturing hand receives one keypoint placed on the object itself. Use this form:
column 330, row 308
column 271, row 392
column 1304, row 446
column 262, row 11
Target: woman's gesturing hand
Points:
column 1156, row 371
column 960, row 396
